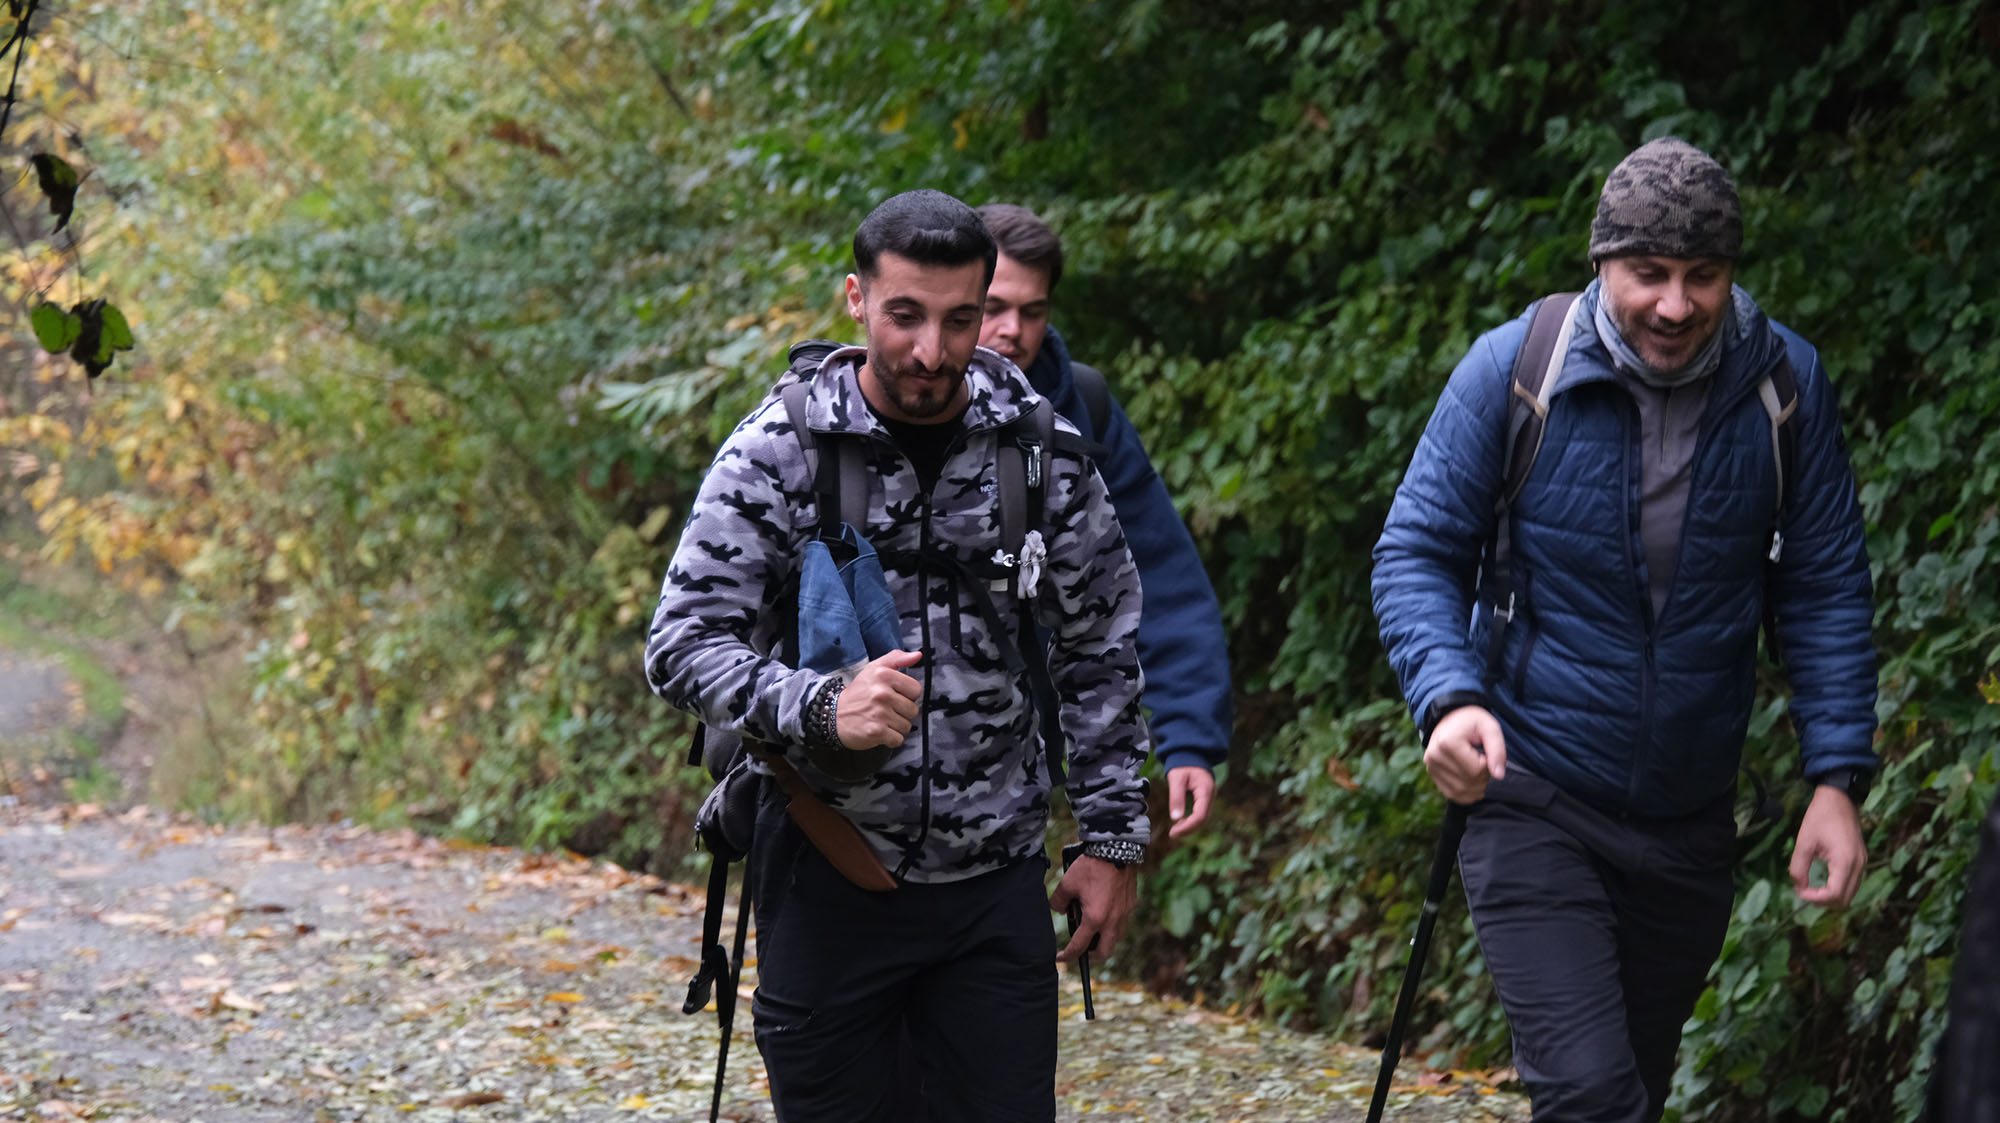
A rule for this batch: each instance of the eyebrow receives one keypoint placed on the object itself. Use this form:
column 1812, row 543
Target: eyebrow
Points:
column 911, row 304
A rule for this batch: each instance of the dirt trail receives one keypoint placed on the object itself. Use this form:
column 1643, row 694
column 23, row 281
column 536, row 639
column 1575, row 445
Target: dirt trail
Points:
column 156, row 969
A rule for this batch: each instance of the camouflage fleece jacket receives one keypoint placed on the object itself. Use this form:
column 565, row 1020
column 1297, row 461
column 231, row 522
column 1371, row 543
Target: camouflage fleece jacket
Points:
column 967, row 792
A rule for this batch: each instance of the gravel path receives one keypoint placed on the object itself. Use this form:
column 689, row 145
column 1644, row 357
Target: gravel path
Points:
column 35, row 694
column 155, row 969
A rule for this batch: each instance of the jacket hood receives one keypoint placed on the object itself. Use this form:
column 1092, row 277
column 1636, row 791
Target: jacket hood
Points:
column 1000, row 394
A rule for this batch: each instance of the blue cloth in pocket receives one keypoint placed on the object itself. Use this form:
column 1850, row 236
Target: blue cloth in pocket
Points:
column 846, row 616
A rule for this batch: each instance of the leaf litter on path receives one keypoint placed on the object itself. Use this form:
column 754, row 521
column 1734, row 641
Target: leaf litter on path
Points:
column 155, row 969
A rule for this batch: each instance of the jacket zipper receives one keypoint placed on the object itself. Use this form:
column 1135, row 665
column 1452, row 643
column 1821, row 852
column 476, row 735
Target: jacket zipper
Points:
column 1713, row 414
column 1633, row 478
column 924, row 628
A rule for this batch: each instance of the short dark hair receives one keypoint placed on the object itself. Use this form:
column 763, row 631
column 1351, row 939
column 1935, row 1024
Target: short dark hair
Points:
column 928, row 227
column 1024, row 237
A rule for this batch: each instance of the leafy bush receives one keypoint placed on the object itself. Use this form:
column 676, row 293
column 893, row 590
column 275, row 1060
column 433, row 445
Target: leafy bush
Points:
column 445, row 308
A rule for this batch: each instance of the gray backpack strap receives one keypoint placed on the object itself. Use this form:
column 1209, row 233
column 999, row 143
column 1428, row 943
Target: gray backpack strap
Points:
column 793, row 394
column 853, row 483
column 1780, row 394
column 1537, row 366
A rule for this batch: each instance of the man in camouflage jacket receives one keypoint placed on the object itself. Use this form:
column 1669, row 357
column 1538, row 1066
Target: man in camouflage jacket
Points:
column 959, row 809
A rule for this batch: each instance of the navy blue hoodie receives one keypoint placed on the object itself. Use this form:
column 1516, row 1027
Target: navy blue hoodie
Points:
column 1180, row 623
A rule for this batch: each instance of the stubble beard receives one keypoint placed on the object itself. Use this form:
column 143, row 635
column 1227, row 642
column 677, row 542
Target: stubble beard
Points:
column 1639, row 332
column 918, row 394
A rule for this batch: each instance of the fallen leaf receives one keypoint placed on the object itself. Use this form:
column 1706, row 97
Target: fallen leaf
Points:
column 237, row 1001
column 470, row 1099
column 565, row 996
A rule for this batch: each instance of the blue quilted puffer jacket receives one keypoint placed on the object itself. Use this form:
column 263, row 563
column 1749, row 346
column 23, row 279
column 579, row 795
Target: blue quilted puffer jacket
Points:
column 1627, row 712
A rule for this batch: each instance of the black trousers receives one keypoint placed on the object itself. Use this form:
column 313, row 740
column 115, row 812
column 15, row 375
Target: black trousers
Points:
column 849, row 979
column 1599, row 932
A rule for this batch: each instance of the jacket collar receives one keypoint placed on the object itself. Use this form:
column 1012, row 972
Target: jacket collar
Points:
column 1000, row 394
column 1747, row 356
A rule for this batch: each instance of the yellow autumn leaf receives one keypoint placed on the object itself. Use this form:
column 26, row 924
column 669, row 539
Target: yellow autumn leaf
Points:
column 896, row 121
column 565, row 996
column 634, row 1103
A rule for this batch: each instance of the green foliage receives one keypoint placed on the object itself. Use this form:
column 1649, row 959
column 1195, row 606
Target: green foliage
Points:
column 448, row 306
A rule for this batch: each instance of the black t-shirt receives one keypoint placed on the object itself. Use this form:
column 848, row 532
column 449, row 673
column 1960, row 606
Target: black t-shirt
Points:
column 926, row 445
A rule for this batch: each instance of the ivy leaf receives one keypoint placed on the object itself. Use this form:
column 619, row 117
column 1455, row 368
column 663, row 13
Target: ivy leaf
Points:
column 104, row 333
column 55, row 329
column 58, row 181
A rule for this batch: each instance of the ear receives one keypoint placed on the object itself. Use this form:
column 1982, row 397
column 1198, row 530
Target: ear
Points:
column 857, row 301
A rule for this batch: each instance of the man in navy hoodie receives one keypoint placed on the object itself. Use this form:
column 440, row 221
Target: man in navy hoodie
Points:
column 1598, row 749
column 1181, row 643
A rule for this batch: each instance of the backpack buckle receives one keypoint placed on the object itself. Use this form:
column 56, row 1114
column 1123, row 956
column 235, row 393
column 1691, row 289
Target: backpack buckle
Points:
column 1003, row 559
column 1031, row 451
column 1777, row 546
column 1505, row 615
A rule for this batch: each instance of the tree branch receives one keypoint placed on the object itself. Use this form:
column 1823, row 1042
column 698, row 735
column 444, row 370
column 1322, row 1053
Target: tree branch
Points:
column 19, row 44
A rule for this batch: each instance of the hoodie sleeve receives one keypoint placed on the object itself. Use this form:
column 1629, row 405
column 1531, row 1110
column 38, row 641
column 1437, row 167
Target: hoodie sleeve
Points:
column 1438, row 526
column 1091, row 606
column 1821, row 593
column 727, row 573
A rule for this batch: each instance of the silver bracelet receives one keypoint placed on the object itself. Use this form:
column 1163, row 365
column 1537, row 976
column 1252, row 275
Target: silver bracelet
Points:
column 1118, row 851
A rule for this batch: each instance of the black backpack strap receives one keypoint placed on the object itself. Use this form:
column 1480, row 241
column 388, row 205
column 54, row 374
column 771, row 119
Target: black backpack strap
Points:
column 1096, row 394
column 841, row 483
column 804, row 358
column 1533, row 383
column 1025, row 461
column 1038, row 454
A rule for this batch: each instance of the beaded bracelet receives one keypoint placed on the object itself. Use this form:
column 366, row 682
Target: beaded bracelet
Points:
column 822, row 720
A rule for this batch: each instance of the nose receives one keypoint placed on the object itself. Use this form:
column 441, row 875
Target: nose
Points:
column 1674, row 304
column 929, row 349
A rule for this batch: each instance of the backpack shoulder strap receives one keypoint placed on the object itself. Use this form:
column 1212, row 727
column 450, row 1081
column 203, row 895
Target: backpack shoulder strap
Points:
column 1096, row 394
column 1780, row 394
column 840, row 484
column 1533, row 383
column 1536, row 365
column 1024, row 463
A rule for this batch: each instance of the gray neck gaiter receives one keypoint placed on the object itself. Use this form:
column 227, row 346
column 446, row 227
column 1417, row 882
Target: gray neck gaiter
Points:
column 1704, row 363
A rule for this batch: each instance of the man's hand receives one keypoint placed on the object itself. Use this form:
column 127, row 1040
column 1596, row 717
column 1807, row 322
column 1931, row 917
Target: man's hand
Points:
column 880, row 705
column 1189, row 790
column 1466, row 750
column 1831, row 832
column 1108, row 895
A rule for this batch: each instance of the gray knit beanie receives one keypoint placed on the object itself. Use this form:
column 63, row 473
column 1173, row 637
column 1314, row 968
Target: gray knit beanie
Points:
column 1670, row 199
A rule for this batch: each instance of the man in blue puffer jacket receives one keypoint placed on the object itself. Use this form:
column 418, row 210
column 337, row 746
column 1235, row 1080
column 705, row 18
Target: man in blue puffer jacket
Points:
column 1599, row 752
column 1181, row 643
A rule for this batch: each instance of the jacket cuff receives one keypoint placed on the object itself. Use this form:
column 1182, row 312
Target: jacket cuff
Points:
column 1444, row 704
column 1204, row 759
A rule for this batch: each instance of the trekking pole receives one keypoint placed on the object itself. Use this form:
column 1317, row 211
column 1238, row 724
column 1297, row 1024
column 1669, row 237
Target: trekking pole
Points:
column 1392, row 1049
